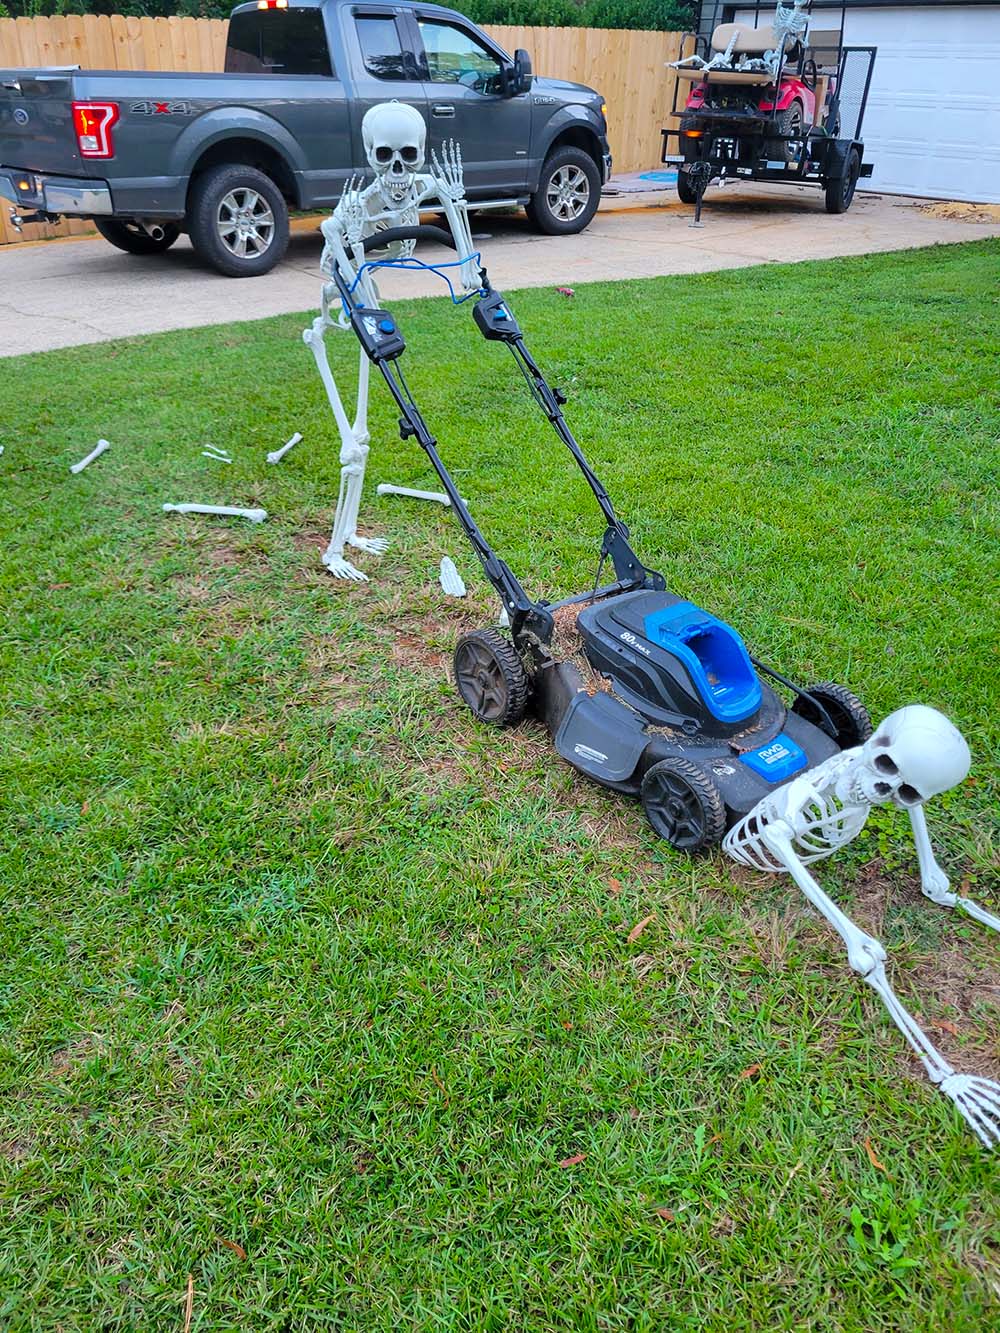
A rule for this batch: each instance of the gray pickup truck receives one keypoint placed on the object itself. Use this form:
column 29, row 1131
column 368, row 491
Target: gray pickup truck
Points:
column 225, row 156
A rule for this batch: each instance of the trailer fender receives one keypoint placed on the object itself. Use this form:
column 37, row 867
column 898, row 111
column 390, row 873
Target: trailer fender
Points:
column 833, row 158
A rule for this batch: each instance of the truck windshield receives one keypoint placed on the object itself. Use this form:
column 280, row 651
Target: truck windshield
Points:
column 278, row 41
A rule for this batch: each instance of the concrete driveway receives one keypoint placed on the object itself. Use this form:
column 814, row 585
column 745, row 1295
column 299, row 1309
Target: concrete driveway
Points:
column 63, row 293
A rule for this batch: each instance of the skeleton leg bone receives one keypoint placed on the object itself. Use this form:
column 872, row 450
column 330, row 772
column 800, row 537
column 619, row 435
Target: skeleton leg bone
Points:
column 353, row 457
column 934, row 882
column 977, row 1099
column 373, row 545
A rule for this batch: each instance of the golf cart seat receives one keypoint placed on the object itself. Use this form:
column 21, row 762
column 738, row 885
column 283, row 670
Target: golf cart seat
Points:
column 749, row 41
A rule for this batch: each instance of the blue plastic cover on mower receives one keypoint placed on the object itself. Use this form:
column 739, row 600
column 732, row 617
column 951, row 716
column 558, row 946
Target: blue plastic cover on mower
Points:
column 714, row 656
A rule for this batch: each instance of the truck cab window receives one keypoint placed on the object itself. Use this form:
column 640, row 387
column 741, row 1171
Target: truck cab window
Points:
column 278, row 41
column 381, row 48
column 455, row 56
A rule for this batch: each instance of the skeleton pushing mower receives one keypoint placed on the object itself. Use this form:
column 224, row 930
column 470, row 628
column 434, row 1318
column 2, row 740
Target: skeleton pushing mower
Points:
column 651, row 696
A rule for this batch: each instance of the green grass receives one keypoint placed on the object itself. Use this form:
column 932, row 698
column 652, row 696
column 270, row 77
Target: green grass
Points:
column 295, row 955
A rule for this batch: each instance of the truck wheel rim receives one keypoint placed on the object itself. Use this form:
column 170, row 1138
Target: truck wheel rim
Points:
column 568, row 193
column 245, row 223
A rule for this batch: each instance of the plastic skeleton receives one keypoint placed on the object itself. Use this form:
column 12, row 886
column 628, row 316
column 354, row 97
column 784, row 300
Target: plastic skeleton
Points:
column 790, row 25
column 915, row 754
column 394, row 138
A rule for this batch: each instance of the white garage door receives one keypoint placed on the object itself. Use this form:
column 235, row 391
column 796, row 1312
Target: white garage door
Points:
column 933, row 121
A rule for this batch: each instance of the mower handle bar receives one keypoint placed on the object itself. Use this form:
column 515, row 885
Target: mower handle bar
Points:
column 423, row 232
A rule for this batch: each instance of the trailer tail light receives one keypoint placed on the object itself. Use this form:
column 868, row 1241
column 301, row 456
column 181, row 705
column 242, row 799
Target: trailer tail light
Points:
column 92, row 122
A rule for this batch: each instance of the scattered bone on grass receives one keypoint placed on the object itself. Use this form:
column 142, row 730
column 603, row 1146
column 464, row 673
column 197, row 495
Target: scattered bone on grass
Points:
column 254, row 515
column 102, row 446
column 276, row 455
column 438, row 497
column 452, row 583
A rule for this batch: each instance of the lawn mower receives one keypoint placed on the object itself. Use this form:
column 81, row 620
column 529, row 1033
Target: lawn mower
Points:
column 770, row 101
column 640, row 689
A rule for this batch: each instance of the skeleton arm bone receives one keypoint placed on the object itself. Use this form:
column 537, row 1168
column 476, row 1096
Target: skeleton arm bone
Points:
column 977, row 1099
column 934, row 882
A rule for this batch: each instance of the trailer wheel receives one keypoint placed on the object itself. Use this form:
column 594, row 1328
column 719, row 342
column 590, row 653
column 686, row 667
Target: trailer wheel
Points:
column 569, row 190
column 683, row 804
column 491, row 677
column 840, row 192
column 130, row 237
column 238, row 220
column 686, row 192
column 846, row 711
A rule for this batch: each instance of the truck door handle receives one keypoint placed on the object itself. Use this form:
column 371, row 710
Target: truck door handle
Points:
column 12, row 84
column 443, row 109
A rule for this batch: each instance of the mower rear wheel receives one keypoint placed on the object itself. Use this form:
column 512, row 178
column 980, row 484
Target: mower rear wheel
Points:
column 491, row 677
column 683, row 804
column 847, row 713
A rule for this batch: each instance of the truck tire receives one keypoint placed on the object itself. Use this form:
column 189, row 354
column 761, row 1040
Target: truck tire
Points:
column 840, row 192
column 238, row 220
column 569, row 190
column 131, row 238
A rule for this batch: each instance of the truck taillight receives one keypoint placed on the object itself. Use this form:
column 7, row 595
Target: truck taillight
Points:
column 92, row 122
column 272, row 4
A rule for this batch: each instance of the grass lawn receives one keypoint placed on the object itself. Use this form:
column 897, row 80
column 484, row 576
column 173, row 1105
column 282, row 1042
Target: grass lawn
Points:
column 311, row 986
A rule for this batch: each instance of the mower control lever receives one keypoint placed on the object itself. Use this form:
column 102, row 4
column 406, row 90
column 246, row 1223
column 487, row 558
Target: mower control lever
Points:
column 378, row 333
column 494, row 318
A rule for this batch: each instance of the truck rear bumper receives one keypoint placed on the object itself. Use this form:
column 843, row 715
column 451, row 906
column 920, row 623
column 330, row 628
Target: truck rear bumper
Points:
column 55, row 194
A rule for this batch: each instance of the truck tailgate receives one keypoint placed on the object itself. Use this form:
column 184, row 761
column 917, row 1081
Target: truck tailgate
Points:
column 36, row 122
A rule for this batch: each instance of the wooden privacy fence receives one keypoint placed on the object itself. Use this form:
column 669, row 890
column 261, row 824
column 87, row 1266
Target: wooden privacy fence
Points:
column 626, row 67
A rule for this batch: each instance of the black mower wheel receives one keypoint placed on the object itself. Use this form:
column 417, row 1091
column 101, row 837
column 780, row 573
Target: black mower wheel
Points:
column 847, row 713
column 683, row 804
column 491, row 677
column 131, row 238
column 840, row 192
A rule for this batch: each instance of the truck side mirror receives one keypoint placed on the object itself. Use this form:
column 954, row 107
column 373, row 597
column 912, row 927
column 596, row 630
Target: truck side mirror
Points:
column 522, row 72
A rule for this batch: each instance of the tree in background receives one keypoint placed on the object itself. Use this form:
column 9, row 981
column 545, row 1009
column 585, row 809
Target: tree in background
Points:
column 647, row 15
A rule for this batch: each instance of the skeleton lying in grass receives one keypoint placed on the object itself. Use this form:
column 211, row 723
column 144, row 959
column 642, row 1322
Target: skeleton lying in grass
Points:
column 394, row 138
column 915, row 754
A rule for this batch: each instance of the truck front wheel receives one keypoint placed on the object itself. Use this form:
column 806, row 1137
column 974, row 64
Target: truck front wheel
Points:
column 238, row 221
column 131, row 238
column 569, row 190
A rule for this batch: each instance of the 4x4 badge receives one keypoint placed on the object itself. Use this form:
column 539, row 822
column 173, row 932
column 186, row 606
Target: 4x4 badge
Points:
column 162, row 109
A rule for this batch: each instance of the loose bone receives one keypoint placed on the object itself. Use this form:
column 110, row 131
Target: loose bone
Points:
column 102, row 447
column 254, row 515
column 276, row 455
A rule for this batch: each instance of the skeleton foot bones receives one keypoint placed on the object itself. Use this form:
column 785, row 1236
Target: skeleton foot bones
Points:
column 915, row 754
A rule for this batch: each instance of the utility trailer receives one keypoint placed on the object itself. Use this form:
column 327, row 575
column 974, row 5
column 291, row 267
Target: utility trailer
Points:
column 768, row 95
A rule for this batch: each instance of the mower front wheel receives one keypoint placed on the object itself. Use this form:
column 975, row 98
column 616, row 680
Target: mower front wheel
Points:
column 491, row 677
column 683, row 804
column 845, row 710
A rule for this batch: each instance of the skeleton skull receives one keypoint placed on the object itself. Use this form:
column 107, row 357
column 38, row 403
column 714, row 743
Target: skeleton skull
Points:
column 394, row 137
column 915, row 754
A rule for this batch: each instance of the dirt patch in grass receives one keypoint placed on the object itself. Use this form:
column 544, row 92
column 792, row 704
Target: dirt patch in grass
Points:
column 68, row 1058
column 15, row 1151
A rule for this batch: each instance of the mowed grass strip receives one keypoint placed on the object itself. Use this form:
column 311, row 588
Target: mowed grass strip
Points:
column 318, row 993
